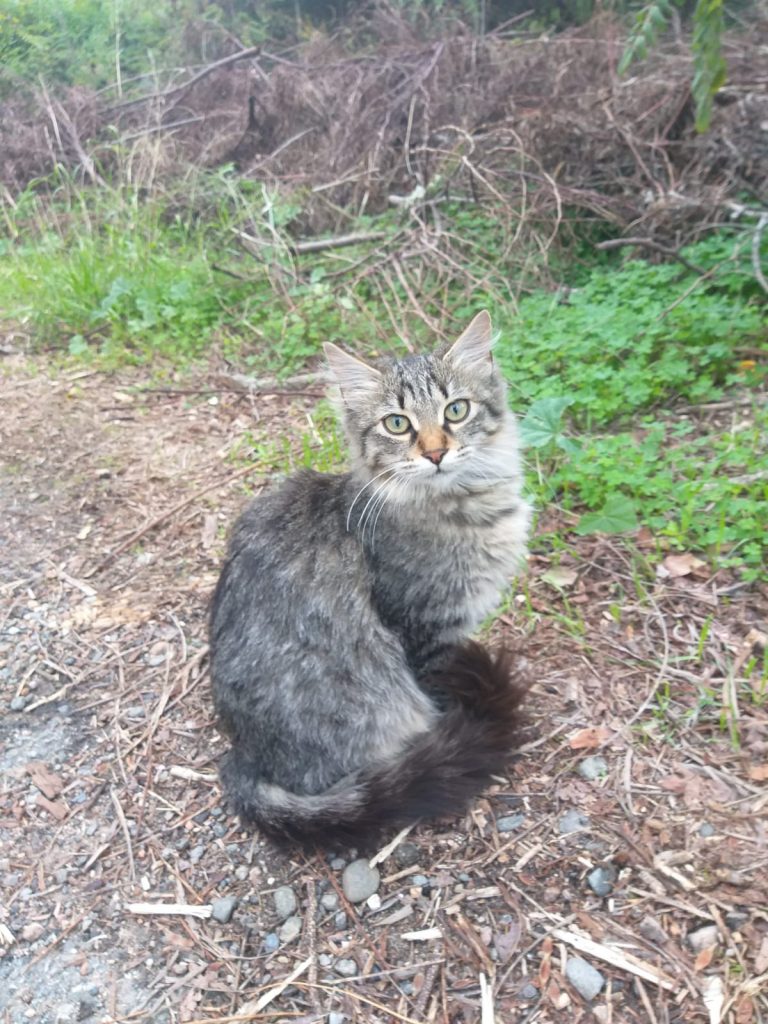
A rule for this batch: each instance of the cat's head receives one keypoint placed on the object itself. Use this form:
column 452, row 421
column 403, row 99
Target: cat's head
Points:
column 435, row 421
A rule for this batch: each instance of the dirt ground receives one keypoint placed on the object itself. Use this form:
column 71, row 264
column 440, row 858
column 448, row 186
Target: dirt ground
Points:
column 626, row 850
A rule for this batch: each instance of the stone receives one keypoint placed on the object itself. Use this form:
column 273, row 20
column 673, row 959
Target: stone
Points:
column 572, row 821
column 223, row 908
column 650, row 929
column 271, row 942
column 285, row 901
column 406, row 855
column 346, row 968
column 241, row 873
column 703, row 938
column 18, row 703
column 528, row 991
column 592, row 768
column 290, row 929
column 706, row 830
column 374, row 902
column 329, row 901
column 340, row 921
column 338, row 863
column 585, row 978
column 359, row 881
column 419, row 880
column 602, row 879
column 336, row 1018
column 510, row 822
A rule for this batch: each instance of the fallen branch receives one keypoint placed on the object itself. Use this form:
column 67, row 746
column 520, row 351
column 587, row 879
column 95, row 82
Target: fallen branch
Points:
column 647, row 243
column 171, row 909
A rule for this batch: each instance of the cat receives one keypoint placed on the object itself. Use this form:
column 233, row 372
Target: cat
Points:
column 340, row 663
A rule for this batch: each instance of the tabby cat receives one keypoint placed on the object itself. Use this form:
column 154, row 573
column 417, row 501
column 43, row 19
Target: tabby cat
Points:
column 339, row 656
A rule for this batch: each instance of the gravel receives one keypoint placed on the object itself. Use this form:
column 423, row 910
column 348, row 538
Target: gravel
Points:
column 285, row 901
column 359, row 881
column 572, row 821
column 585, row 978
column 650, row 929
column 223, row 908
column 271, row 942
column 406, row 855
column 592, row 768
column 346, row 968
column 289, row 929
column 329, row 901
column 602, row 879
column 510, row 822
column 703, row 938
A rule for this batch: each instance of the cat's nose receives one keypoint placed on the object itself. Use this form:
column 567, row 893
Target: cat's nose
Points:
column 436, row 455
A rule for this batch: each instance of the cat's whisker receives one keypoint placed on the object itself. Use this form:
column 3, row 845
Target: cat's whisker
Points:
column 365, row 485
column 399, row 483
column 362, row 521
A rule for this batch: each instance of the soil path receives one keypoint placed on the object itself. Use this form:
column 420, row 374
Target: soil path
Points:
column 631, row 833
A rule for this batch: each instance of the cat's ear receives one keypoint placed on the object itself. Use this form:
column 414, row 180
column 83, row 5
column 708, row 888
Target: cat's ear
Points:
column 473, row 347
column 352, row 374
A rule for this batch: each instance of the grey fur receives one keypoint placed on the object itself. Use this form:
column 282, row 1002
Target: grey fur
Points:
column 343, row 596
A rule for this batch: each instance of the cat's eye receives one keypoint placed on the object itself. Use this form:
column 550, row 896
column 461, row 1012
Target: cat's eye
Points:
column 457, row 411
column 396, row 424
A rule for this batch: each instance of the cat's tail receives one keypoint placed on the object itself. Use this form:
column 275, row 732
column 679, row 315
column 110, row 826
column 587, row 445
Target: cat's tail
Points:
column 437, row 773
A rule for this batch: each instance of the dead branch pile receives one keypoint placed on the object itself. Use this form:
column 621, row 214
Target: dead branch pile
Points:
column 528, row 125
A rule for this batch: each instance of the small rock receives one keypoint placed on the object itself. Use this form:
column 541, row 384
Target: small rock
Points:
column 60, row 876
column 338, row 863
column 285, row 901
column 223, row 908
column 241, row 873
column 289, row 929
column 706, row 830
column 32, row 931
column 703, row 938
column 420, row 880
column 324, row 960
column 572, row 821
column 18, row 704
column 340, row 921
column 406, row 855
column 271, row 942
column 592, row 768
column 346, row 968
column 528, row 991
column 329, row 901
column 374, row 902
column 736, row 919
column 359, row 881
column 510, row 822
column 196, row 854
column 601, row 880
column 336, row 1018
column 650, row 929
column 585, row 978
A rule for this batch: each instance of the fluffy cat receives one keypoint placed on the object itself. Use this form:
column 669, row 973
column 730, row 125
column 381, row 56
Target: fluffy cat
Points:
column 339, row 659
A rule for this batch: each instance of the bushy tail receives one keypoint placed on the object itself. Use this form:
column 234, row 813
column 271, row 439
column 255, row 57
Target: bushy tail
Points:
column 437, row 773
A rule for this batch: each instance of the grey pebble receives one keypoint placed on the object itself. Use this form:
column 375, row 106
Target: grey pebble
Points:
column 223, row 908
column 271, row 942
column 340, row 921
column 18, row 704
column 650, row 929
column 324, row 960
column 336, row 1018
column 241, row 873
column 703, row 938
column 289, row 929
column 219, row 830
column 196, row 854
column 359, row 881
column 528, row 991
column 346, row 968
column 510, row 822
column 330, row 901
column 592, row 768
column 585, row 978
column 706, row 830
column 338, row 863
column 572, row 821
column 420, row 880
column 285, row 901
column 601, row 880
column 406, row 855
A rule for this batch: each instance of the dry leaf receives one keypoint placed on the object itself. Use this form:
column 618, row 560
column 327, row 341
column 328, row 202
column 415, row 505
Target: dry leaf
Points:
column 758, row 772
column 560, row 577
column 704, row 958
column 684, row 565
column 49, row 784
column 745, row 1010
column 761, row 960
column 589, row 738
